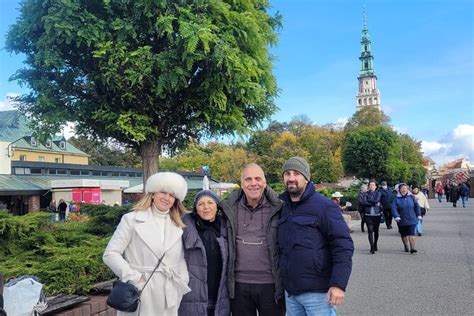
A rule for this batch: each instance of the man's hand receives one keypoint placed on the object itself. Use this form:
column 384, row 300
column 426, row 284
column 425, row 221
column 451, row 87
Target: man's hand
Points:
column 335, row 296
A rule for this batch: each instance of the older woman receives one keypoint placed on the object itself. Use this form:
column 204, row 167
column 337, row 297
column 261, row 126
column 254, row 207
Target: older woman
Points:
column 406, row 212
column 152, row 231
column 206, row 253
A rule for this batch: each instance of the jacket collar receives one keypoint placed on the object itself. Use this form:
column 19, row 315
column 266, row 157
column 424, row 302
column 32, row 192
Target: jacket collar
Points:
column 146, row 228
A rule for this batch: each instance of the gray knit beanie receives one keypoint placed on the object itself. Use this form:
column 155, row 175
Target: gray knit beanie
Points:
column 207, row 193
column 298, row 164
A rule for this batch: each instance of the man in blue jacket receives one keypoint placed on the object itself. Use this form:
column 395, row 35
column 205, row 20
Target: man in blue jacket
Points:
column 315, row 243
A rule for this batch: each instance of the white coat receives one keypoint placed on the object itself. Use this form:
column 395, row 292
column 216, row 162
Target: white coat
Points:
column 134, row 250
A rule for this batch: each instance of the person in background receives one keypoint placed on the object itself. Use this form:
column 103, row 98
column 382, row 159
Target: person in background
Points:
column 207, row 255
column 454, row 194
column 336, row 198
column 422, row 200
column 447, row 191
column 363, row 189
column 463, row 193
column 386, row 199
column 372, row 213
column 150, row 232
column 406, row 212
column 253, row 274
column 439, row 191
column 62, row 207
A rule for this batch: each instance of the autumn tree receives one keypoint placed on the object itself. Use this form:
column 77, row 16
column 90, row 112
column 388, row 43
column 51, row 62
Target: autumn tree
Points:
column 150, row 74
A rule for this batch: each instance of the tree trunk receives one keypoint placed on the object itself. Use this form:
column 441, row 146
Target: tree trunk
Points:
column 150, row 152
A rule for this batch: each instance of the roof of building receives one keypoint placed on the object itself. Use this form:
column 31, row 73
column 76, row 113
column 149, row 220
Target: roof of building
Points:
column 12, row 184
column 14, row 128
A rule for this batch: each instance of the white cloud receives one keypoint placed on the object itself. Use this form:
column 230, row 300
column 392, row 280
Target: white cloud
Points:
column 459, row 143
column 8, row 103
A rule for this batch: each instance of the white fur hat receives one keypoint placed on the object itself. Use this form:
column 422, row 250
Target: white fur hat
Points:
column 337, row 194
column 169, row 182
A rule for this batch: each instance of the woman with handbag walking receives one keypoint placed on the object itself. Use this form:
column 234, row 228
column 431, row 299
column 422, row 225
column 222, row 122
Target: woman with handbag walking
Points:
column 406, row 212
column 372, row 214
column 146, row 248
column 206, row 253
column 424, row 207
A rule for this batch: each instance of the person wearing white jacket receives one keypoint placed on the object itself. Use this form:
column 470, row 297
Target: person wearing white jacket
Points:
column 152, row 229
column 424, row 207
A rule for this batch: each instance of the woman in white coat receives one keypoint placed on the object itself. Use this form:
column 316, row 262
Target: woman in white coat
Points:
column 152, row 229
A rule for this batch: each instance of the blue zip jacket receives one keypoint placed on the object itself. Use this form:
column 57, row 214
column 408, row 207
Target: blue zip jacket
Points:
column 407, row 208
column 315, row 243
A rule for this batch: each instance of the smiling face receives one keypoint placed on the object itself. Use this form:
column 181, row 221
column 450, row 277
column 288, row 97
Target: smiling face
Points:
column 295, row 183
column 206, row 208
column 253, row 183
column 163, row 201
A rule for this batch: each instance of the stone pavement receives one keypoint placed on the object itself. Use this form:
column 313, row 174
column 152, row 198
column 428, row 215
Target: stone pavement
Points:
column 438, row 280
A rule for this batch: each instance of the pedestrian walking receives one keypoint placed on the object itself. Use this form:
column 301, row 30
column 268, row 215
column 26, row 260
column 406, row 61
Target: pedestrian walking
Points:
column 372, row 213
column 439, row 191
column 207, row 255
column 148, row 234
column 406, row 213
column 316, row 246
column 454, row 194
column 422, row 200
column 253, row 272
column 463, row 193
column 447, row 191
column 363, row 189
column 386, row 199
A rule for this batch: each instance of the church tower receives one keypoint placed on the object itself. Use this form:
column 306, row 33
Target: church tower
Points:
column 368, row 94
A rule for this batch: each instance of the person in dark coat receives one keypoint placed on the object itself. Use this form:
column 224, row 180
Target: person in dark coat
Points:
column 464, row 193
column 447, row 191
column 406, row 212
column 372, row 214
column 316, row 246
column 386, row 200
column 207, row 256
column 454, row 194
column 62, row 206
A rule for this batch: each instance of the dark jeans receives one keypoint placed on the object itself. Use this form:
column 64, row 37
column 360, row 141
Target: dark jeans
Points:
column 387, row 213
column 252, row 297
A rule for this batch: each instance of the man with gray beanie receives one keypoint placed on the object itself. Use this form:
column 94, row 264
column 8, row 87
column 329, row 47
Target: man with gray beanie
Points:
column 315, row 244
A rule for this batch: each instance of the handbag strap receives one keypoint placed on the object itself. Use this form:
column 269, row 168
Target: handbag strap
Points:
column 157, row 265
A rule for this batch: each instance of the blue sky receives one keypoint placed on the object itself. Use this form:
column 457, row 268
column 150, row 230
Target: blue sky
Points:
column 423, row 60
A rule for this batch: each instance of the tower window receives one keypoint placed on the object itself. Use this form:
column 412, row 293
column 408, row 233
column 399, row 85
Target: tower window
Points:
column 360, row 103
column 366, row 65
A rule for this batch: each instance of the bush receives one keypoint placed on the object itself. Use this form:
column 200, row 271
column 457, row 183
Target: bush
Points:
column 66, row 257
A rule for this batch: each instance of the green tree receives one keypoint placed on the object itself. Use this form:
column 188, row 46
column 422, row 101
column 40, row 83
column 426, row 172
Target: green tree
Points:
column 150, row 74
column 367, row 116
column 106, row 153
column 367, row 152
column 227, row 162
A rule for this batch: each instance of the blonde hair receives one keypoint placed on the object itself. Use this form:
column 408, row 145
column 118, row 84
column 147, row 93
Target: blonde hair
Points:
column 177, row 211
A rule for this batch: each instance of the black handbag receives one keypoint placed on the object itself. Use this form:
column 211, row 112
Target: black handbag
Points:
column 125, row 296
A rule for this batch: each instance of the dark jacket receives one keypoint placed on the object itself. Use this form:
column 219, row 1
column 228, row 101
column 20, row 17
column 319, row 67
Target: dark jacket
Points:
column 195, row 302
column 316, row 246
column 463, row 190
column 407, row 208
column 454, row 193
column 230, row 206
column 386, row 198
column 371, row 199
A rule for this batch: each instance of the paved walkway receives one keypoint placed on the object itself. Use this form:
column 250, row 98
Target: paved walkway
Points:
column 438, row 280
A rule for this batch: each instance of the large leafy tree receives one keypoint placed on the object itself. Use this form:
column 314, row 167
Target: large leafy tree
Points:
column 367, row 152
column 149, row 74
column 367, row 116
